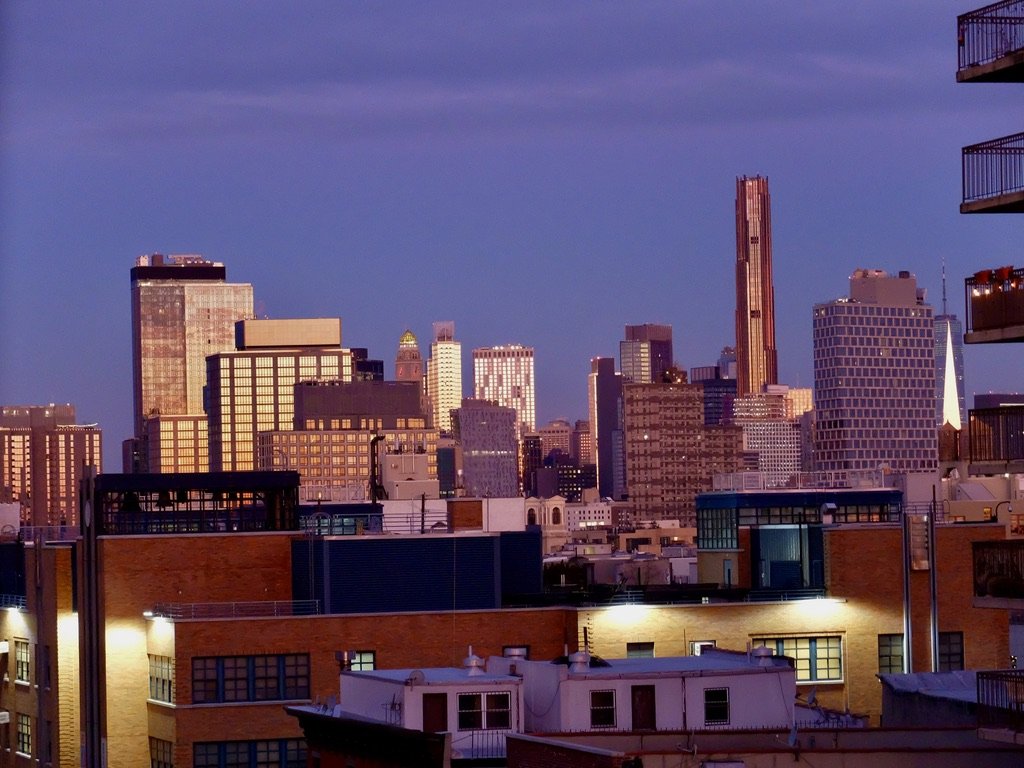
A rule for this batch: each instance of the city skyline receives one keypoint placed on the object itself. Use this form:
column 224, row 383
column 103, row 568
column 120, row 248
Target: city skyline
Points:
column 540, row 176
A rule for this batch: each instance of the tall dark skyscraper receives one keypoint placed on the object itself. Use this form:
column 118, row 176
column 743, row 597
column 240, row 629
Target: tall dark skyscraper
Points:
column 756, row 360
column 604, row 401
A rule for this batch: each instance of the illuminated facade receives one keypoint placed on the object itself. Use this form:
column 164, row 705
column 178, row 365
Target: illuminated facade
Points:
column 335, row 425
column 555, row 435
column 646, row 353
column 42, row 457
column 251, row 390
column 874, row 377
column 444, row 375
column 182, row 311
column 177, row 443
column 772, row 432
column 756, row 361
column 505, row 375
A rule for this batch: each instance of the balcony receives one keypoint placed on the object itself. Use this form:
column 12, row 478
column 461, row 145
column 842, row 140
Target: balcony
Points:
column 996, row 439
column 995, row 306
column 1001, row 705
column 991, row 43
column 998, row 574
column 993, row 176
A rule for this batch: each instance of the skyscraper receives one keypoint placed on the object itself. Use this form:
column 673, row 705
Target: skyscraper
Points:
column 43, row 454
column 756, row 362
column 252, row 389
column 486, row 432
column 182, row 311
column 874, row 377
column 670, row 454
column 646, row 353
column 444, row 374
column 505, row 375
column 604, row 403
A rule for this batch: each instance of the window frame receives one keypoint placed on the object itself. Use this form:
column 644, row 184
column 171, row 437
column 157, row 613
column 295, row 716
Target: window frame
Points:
column 599, row 711
column 23, row 734
column 721, row 706
column 807, row 661
column 22, row 660
column 889, row 653
column 951, row 647
column 161, row 678
column 643, row 649
column 478, row 710
column 211, row 676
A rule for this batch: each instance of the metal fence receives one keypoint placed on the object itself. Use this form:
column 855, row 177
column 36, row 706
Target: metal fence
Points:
column 996, row 434
column 987, row 34
column 993, row 168
column 1001, row 699
column 994, row 299
column 237, row 610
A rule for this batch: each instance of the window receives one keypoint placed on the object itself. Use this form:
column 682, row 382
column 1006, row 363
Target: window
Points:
column 890, row 654
column 951, row 651
column 716, row 706
column 364, row 660
column 479, row 711
column 250, row 678
column 815, row 658
column 161, row 753
column 279, row 753
column 24, row 724
column 697, row 647
column 602, row 709
column 22, row 668
column 640, row 650
column 161, row 678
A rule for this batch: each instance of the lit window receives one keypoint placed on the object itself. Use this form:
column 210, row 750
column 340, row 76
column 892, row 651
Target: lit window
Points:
column 815, row 658
column 24, row 724
column 364, row 660
column 22, row 667
column 161, row 678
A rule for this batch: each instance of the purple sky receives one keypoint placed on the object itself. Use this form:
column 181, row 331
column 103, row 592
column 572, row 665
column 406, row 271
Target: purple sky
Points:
column 540, row 173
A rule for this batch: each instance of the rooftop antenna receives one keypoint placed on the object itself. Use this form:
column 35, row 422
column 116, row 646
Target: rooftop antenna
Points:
column 944, row 285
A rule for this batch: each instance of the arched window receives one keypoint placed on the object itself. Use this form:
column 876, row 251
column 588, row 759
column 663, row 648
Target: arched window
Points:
column 556, row 517
column 531, row 516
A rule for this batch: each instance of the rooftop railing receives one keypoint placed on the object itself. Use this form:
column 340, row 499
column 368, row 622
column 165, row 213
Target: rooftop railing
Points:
column 987, row 34
column 1001, row 699
column 237, row 610
column 760, row 481
column 996, row 434
column 994, row 299
column 993, row 169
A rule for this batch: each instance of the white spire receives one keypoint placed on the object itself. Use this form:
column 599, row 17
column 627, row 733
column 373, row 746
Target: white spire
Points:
column 950, row 396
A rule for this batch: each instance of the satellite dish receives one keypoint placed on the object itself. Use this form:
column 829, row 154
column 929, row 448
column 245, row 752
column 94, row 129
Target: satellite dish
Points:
column 416, row 677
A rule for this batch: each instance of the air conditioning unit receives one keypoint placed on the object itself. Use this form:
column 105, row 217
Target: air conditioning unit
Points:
column 5, row 646
column 5, row 717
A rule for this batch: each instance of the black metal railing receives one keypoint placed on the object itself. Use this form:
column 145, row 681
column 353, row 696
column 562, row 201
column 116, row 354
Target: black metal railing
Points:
column 987, row 34
column 1001, row 699
column 998, row 569
column 994, row 299
column 996, row 434
column 993, row 168
column 236, row 610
